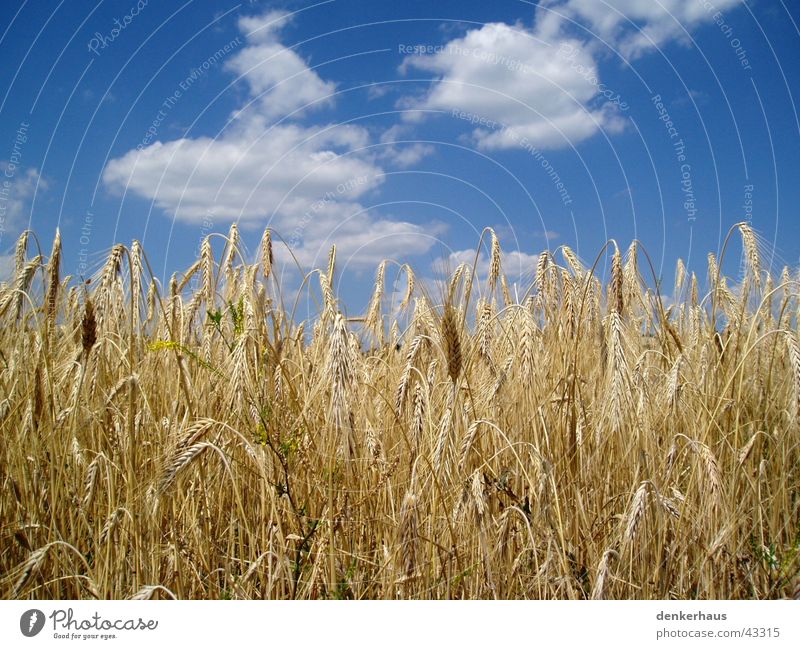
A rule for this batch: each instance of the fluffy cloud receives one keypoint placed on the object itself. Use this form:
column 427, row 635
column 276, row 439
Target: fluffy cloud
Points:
column 15, row 205
column 526, row 89
column 265, row 168
column 540, row 86
column 15, row 200
column 239, row 176
column 408, row 156
column 278, row 77
column 362, row 239
column 6, row 267
column 635, row 26
column 517, row 265
column 398, row 151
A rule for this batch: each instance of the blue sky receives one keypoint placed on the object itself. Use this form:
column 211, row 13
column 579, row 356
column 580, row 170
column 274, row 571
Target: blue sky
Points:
column 400, row 130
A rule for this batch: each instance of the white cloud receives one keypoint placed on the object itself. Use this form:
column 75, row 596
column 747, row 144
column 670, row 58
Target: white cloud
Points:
column 278, row 77
column 378, row 90
column 242, row 176
column 516, row 265
column 303, row 181
column 6, row 267
column 355, row 231
column 636, row 26
column 361, row 238
column 410, row 155
column 526, row 88
column 15, row 205
column 541, row 86
column 398, row 151
column 15, row 200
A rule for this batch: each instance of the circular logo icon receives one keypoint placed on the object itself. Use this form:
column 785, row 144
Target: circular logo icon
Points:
column 31, row 622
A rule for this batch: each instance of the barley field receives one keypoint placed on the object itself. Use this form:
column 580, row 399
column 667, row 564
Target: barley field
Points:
column 585, row 437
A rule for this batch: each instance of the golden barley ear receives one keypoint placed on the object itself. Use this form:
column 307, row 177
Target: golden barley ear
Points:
column 329, row 301
column 794, row 361
column 137, row 272
column 750, row 242
column 340, row 368
column 637, row 509
column 29, row 568
column 616, row 296
column 53, row 278
column 418, row 419
column 20, row 251
column 112, row 267
column 485, row 331
column 207, row 266
column 408, row 534
column 405, row 378
column 90, row 481
column 373, row 322
column 443, row 437
column 494, row 262
column 451, row 339
column 232, row 249
column 410, row 282
column 713, row 271
column 88, row 327
column 147, row 592
column 574, row 263
column 542, row 264
column 180, row 462
column 331, row 263
column 603, row 575
column 267, row 258
column 467, row 442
